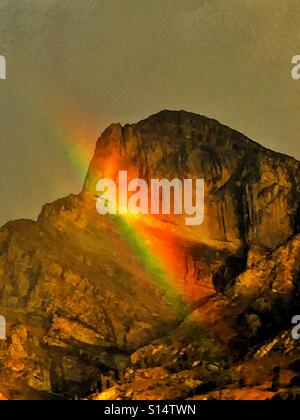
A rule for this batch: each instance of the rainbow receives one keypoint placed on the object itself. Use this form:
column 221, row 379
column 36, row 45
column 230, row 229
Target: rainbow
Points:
column 161, row 259
column 158, row 261
column 161, row 255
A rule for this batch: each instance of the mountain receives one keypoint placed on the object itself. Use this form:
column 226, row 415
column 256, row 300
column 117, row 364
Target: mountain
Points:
column 147, row 307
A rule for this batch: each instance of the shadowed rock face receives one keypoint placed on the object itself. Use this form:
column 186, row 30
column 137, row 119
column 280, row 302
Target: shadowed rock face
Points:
column 83, row 292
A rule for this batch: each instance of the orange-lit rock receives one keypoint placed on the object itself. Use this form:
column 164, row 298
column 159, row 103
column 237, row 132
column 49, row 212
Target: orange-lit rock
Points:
column 97, row 302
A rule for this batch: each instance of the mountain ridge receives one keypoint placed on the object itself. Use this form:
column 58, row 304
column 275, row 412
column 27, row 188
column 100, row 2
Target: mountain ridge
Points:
column 74, row 285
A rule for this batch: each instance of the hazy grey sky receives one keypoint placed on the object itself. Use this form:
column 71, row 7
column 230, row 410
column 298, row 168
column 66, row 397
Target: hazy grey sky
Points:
column 75, row 66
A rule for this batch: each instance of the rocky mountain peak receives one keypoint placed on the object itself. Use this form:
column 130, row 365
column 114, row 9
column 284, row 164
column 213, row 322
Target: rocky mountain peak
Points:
column 92, row 301
column 248, row 187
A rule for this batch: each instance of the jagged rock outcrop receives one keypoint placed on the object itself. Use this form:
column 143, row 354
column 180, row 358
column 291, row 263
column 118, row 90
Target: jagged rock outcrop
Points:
column 82, row 292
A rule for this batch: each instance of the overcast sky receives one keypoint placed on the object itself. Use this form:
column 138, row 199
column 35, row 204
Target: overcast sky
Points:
column 75, row 66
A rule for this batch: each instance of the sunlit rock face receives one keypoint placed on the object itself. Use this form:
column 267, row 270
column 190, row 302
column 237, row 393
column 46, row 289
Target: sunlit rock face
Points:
column 251, row 192
column 82, row 292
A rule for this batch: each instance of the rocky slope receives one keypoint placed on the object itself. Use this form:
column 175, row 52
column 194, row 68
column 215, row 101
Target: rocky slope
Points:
column 150, row 306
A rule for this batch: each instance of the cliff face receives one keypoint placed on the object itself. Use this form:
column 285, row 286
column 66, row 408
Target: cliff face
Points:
column 82, row 293
column 252, row 193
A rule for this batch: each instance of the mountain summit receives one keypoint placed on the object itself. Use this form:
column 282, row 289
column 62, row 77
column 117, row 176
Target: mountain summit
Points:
column 94, row 302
